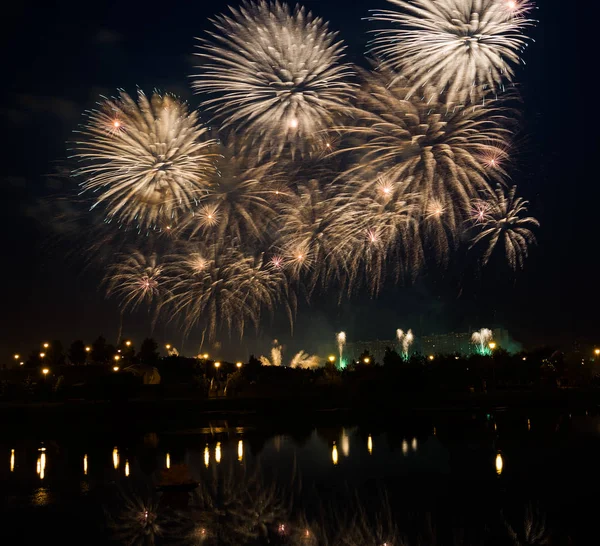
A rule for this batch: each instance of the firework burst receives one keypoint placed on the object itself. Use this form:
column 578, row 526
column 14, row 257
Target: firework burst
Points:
column 147, row 162
column 462, row 49
column 275, row 74
column 501, row 218
column 135, row 279
column 481, row 339
column 217, row 284
column 424, row 147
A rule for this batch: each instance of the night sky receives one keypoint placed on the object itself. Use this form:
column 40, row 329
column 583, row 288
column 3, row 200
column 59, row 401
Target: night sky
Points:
column 60, row 58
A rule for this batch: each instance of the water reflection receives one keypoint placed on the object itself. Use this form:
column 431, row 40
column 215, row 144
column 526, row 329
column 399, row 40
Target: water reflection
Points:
column 41, row 463
column 404, row 447
column 126, row 468
column 334, row 454
column 499, row 464
column 206, row 456
column 414, row 444
column 345, row 443
column 85, row 464
column 115, row 457
column 168, row 460
column 240, row 450
column 370, row 444
column 218, row 452
column 12, row 460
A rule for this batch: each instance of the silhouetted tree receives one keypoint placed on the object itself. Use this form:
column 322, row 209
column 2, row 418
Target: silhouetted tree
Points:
column 77, row 353
column 102, row 352
column 392, row 358
column 55, row 354
column 148, row 354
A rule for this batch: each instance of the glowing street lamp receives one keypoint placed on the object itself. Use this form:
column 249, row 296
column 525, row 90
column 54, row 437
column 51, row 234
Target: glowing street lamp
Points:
column 128, row 343
column 45, row 371
column 217, row 365
column 88, row 349
column 331, row 359
column 366, row 360
column 17, row 356
column 117, row 358
column 431, row 357
column 597, row 352
column 42, row 355
column 492, row 345
column 116, row 368
column 46, row 345
column 205, row 356
column 168, row 346
column 238, row 364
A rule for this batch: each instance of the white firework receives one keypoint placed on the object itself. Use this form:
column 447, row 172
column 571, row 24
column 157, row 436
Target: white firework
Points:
column 274, row 74
column 276, row 355
column 146, row 162
column 501, row 218
column 304, row 360
column 463, row 48
column 405, row 339
column 481, row 339
column 136, row 279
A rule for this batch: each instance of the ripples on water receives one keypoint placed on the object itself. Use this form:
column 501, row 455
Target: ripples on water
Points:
column 468, row 480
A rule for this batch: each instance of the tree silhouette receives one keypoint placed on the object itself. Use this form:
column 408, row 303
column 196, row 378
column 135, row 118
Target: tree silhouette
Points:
column 148, row 354
column 77, row 353
column 102, row 352
column 392, row 358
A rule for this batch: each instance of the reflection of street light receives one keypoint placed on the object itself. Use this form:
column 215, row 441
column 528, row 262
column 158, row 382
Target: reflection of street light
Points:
column 217, row 364
column 238, row 364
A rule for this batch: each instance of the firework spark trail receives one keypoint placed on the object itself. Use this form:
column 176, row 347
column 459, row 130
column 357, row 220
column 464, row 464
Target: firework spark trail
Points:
column 276, row 355
column 501, row 217
column 217, row 284
column 275, row 74
column 135, row 279
column 482, row 339
column 240, row 199
column 147, row 162
column 405, row 339
column 424, row 148
column 461, row 49
column 341, row 342
column 304, row 360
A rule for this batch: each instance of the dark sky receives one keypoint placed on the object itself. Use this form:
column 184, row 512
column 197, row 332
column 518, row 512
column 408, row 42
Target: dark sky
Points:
column 59, row 58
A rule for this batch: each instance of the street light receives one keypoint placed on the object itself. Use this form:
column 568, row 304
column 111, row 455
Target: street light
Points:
column 17, row 356
column 205, row 356
column 45, row 371
column 117, row 358
column 217, row 364
column 116, row 368
column 88, row 349
column 597, row 352
column 366, row 360
column 128, row 343
column 168, row 346
column 431, row 357
column 46, row 345
column 331, row 359
column 238, row 364
column 492, row 345
column 42, row 355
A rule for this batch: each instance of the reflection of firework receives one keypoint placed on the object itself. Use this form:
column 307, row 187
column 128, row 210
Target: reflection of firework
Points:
column 501, row 218
column 234, row 507
column 274, row 73
column 147, row 162
column 465, row 48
